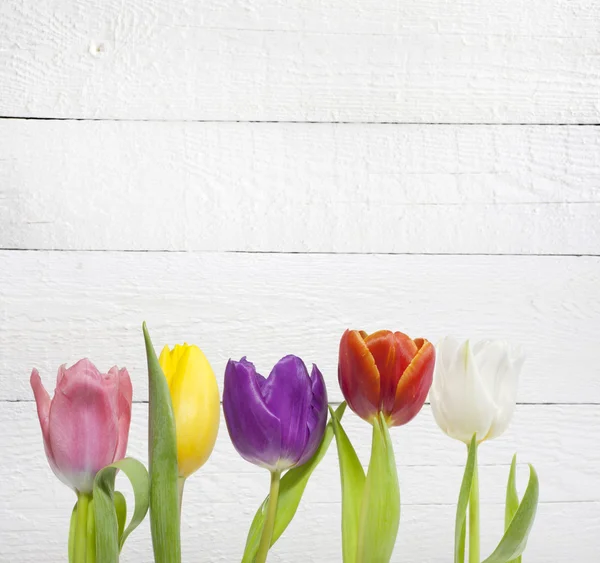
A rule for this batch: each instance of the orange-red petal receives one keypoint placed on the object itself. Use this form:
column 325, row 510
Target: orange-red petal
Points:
column 358, row 375
column 414, row 385
column 392, row 353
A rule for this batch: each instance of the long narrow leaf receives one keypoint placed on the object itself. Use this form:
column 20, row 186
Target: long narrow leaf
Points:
column 291, row 490
column 514, row 540
column 380, row 509
column 353, row 482
column 162, row 456
column 463, row 503
column 121, row 508
column 108, row 542
column 512, row 499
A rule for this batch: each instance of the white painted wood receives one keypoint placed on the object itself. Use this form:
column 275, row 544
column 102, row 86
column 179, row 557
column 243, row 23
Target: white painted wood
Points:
column 299, row 187
column 430, row 61
column 60, row 306
column 221, row 499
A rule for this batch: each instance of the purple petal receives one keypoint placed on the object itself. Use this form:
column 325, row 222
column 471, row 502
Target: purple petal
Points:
column 317, row 416
column 254, row 430
column 288, row 395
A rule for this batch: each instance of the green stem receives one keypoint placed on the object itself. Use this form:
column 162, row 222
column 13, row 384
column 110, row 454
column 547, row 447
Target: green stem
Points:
column 474, row 555
column 180, row 484
column 80, row 548
column 267, row 533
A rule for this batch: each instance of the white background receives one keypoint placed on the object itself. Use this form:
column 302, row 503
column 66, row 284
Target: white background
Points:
column 256, row 176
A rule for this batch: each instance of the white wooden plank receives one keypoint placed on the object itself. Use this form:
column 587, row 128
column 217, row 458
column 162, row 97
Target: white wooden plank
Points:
column 221, row 499
column 299, row 187
column 345, row 61
column 59, row 306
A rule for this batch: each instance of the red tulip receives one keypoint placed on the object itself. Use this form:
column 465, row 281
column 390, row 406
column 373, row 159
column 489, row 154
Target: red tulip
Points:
column 385, row 372
column 86, row 425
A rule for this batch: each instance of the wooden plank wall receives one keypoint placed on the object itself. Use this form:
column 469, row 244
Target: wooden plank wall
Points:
column 257, row 176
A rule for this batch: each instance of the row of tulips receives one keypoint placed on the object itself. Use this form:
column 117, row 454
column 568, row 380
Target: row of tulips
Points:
column 279, row 423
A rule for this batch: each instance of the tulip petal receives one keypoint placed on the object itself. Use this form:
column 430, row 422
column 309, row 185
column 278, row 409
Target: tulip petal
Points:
column 505, row 392
column 414, row 385
column 392, row 353
column 83, row 423
column 254, row 430
column 460, row 399
column 125, row 396
column 317, row 415
column 43, row 403
column 196, row 406
column 358, row 375
column 42, row 400
column 288, row 395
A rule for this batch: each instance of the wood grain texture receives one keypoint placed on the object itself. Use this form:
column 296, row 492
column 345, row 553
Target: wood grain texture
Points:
column 60, row 306
column 221, row 499
column 299, row 187
column 425, row 61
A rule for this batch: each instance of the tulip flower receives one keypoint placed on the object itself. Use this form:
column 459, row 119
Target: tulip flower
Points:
column 196, row 405
column 475, row 388
column 276, row 423
column 85, row 427
column 473, row 398
column 385, row 378
column 385, row 372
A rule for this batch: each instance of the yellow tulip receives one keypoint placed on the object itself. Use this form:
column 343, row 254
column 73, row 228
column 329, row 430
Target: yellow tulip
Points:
column 196, row 404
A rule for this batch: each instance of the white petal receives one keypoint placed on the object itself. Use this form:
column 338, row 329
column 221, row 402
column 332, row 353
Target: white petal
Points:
column 506, row 396
column 493, row 363
column 461, row 404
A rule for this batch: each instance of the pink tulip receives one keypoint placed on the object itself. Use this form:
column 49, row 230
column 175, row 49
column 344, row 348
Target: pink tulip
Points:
column 86, row 425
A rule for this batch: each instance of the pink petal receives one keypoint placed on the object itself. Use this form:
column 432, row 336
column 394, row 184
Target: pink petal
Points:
column 83, row 423
column 125, row 391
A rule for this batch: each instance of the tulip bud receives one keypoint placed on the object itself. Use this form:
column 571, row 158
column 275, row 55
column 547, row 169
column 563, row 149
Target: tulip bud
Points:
column 474, row 388
column 385, row 372
column 278, row 422
column 196, row 404
column 86, row 425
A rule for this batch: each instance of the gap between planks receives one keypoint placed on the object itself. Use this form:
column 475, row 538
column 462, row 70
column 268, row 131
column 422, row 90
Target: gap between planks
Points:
column 309, row 122
column 296, row 252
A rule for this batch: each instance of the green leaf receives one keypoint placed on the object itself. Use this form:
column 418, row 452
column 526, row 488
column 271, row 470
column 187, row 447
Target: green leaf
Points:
column 380, row 509
column 72, row 530
column 121, row 508
column 162, row 456
column 291, row 489
column 514, row 540
column 108, row 539
column 460, row 525
column 512, row 499
column 353, row 483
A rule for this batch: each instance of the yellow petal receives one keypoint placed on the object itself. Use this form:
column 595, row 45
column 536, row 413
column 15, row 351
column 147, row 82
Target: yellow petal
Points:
column 196, row 405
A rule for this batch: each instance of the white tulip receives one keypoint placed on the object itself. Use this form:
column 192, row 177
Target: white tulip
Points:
column 475, row 388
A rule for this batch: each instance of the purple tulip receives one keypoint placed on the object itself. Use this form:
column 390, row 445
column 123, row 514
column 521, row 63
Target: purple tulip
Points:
column 278, row 422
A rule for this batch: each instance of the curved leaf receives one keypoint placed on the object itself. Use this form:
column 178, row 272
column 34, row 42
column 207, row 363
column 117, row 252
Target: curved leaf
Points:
column 460, row 526
column 514, row 540
column 108, row 542
column 162, row 462
column 353, row 483
column 291, row 489
column 380, row 508
column 121, row 508
column 512, row 499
